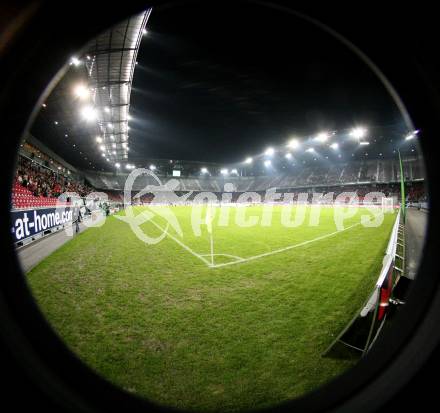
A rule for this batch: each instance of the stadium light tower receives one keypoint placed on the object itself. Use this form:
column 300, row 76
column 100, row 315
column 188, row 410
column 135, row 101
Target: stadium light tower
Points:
column 269, row 151
column 358, row 133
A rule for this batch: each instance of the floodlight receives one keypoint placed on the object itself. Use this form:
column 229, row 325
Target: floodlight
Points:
column 267, row 163
column 288, row 155
column 364, row 143
column 411, row 135
column 106, row 109
column 75, row 61
column 144, row 32
column 269, row 151
column 234, row 171
column 102, row 147
column 358, row 133
column 81, row 91
column 248, row 160
column 118, row 165
column 322, row 137
column 293, row 144
column 334, row 146
column 98, row 139
column 89, row 113
column 310, row 150
column 204, row 171
column 109, row 125
column 224, row 171
column 152, row 167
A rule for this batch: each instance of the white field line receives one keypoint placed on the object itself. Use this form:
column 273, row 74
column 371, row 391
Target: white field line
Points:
column 266, row 254
column 212, row 248
column 182, row 244
column 236, row 258
column 254, row 257
column 223, row 255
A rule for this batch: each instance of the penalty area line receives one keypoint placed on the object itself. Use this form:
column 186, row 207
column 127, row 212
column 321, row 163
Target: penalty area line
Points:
column 239, row 260
column 182, row 244
column 266, row 254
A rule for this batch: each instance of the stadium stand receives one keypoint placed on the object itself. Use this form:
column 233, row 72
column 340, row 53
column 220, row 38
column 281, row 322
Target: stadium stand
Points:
column 343, row 174
column 41, row 177
column 36, row 185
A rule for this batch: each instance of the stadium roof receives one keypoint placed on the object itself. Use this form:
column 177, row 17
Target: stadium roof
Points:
column 110, row 62
column 192, row 95
column 85, row 118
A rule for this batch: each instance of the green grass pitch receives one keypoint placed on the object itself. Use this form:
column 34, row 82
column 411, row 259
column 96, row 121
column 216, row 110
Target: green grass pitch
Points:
column 160, row 323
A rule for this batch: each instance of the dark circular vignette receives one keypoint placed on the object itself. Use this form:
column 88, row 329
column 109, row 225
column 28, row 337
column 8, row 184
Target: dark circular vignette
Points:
column 37, row 39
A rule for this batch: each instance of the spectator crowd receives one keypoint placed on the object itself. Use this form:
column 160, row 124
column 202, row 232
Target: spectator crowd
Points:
column 44, row 182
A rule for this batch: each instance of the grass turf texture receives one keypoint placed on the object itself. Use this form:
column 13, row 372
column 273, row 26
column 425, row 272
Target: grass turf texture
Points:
column 158, row 322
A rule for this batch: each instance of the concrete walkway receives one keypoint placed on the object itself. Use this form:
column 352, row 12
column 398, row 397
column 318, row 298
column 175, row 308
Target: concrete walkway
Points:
column 30, row 255
column 416, row 227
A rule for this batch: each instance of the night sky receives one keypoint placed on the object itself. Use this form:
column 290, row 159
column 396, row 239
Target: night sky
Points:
column 218, row 84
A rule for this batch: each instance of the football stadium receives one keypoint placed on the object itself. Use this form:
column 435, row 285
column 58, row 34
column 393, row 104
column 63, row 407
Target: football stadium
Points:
column 229, row 279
